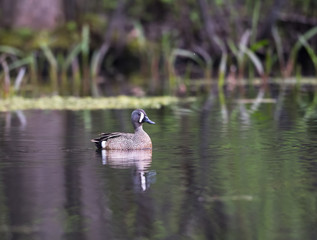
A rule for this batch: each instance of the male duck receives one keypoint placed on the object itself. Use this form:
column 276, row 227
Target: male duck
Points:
column 127, row 141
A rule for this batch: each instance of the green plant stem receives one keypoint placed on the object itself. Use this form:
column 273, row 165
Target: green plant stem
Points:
column 85, row 60
column 53, row 67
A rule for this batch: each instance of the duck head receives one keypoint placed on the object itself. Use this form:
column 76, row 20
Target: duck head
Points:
column 138, row 117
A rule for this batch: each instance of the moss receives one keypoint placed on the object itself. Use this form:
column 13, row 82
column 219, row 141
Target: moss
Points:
column 73, row 103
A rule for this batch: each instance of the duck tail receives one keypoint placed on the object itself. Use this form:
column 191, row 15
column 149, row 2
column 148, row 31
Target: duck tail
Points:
column 97, row 142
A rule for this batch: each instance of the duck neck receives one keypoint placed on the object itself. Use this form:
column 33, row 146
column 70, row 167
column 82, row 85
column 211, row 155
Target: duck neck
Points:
column 138, row 128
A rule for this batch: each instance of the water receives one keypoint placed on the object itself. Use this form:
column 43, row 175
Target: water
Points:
column 217, row 173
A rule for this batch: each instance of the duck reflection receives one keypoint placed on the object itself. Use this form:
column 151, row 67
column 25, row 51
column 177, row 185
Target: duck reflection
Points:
column 140, row 160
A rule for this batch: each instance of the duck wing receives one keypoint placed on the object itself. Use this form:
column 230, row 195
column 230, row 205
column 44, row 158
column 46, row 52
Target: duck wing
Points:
column 106, row 136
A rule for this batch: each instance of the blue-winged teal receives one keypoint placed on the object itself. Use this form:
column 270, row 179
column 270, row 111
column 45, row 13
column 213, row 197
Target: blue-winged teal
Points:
column 127, row 141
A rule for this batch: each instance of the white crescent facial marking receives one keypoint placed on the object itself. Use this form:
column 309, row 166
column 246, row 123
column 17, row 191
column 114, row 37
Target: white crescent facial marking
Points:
column 103, row 144
column 141, row 117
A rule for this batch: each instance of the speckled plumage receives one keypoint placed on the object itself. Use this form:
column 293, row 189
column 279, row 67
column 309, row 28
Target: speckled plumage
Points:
column 127, row 141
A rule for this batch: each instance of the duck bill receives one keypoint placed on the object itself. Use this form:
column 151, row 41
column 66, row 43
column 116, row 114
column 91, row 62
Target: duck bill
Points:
column 146, row 119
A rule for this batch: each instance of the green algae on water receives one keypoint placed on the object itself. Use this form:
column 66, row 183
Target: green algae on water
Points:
column 73, row 103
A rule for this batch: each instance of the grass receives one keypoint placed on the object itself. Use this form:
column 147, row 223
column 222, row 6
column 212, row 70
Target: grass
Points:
column 165, row 68
column 74, row 103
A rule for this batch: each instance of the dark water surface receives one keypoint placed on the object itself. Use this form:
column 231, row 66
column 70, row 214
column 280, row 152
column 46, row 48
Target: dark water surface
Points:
column 214, row 173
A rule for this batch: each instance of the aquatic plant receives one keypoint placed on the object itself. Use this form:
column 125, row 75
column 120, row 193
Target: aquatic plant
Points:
column 74, row 103
column 310, row 51
column 298, row 45
column 70, row 59
column 9, row 65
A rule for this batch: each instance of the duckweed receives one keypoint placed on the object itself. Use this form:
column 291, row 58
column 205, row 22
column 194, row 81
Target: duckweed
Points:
column 73, row 103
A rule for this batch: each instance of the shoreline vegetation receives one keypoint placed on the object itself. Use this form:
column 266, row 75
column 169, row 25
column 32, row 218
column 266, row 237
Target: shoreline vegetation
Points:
column 83, row 103
column 156, row 47
column 259, row 94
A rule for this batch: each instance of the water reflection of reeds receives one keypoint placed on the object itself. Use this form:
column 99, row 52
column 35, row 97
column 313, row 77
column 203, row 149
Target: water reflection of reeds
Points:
column 249, row 177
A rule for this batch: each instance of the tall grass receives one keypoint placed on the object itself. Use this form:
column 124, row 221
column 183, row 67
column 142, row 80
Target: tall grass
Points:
column 7, row 80
column 75, row 71
column 59, row 65
column 279, row 49
column 243, row 51
column 298, row 45
column 53, row 69
column 312, row 54
column 87, row 84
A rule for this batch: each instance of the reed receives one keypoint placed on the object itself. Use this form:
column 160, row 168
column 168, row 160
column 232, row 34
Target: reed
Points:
column 53, row 70
column 33, row 69
column 185, row 54
column 298, row 76
column 298, row 45
column 19, row 78
column 96, row 60
column 312, row 54
column 153, row 56
column 76, row 75
column 85, row 49
column 11, row 51
column 6, row 77
column 167, row 48
column 279, row 49
column 270, row 59
column 255, row 60
column 142, row 46
column 70, row 58
column 222, row 71
column 62, row 76
column 75, row 71
column 255, row 20
column 239, row 52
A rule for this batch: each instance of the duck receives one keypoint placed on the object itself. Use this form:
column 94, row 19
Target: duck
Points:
column 127, row 141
